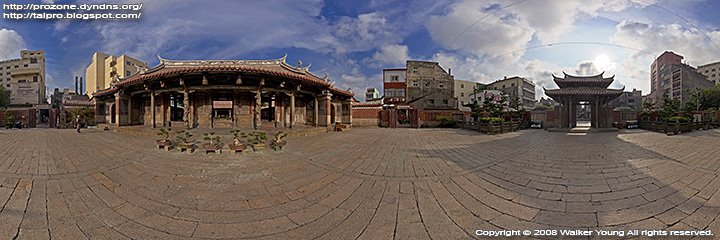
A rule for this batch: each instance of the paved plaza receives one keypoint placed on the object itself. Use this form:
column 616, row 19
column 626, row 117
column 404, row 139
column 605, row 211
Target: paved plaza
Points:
column 364, row 183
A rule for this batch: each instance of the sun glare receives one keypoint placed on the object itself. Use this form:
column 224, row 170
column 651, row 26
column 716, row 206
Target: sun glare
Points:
column 602, row 62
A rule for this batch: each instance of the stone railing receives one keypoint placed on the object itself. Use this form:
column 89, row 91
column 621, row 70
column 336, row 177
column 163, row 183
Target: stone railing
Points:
column 494, row 128
column 676, row 128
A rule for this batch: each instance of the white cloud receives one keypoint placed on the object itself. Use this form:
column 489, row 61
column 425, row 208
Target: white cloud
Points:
column 494, row 36
column 512, row 26
column 688, row 42
column 393, row 54
column 10, row 44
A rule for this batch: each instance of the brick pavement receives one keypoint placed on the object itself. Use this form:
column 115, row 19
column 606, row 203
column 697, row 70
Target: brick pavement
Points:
column 364, row 183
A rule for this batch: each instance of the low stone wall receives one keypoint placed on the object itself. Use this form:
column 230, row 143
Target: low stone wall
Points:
column 366, row 116
column 494, row 128
column 677, row 128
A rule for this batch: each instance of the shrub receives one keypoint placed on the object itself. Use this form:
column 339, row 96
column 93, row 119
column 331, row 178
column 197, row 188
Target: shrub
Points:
column 445, row 122
column 677, row 119
column 491, row 120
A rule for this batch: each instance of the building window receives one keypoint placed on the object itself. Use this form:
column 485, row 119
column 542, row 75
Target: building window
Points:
column 25, row 65
column 127, row 73
column 445, row 101
column 400, row 92
column 462, row 85
column 394, row 78
column 128, row 63
column 462, row 94
column 22, row 81
column 414, row 70
column 33, row 60
column 16, row 66
column 35, row 78
column 414, row 84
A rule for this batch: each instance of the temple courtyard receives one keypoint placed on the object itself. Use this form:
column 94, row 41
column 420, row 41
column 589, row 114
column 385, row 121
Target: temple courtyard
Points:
column 365, row 183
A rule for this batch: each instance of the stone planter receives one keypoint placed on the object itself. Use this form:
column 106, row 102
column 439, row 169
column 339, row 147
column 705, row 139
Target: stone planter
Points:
column 164, row 144
column 186, row 147
column 237, row 148
column 278, row 146
column 259, row 147
column 214, row 148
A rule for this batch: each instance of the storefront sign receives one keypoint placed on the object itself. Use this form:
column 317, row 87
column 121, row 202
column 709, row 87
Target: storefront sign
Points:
column 222, row 104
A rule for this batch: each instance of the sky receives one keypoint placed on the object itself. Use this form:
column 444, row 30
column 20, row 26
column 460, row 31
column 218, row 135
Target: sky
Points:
column 352, row 41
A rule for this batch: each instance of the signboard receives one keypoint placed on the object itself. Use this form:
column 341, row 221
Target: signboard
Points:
column 222, row 104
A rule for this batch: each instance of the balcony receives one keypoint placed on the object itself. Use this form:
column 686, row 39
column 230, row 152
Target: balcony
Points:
column 25, row 71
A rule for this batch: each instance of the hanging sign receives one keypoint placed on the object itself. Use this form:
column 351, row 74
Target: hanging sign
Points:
column 222, row 104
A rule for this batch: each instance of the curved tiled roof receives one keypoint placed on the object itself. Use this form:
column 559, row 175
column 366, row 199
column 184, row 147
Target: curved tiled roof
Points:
column 277, row 67
column 583, row 92
column 590, row 81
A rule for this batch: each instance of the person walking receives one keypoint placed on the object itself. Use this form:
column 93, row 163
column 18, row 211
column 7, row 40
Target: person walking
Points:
column 77, row 123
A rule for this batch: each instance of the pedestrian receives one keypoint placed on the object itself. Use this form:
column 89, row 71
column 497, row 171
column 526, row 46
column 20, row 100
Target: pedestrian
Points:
column 77, row 123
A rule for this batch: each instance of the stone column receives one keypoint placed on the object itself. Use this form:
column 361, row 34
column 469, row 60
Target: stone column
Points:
column 129, row 110
column 164, row 103
column 152, row 107
column 186, row 108
column 256, row 110
column 118, row 109
column 292, row 109
column 570, row 112
column 327, row 98
column 317, row 112
column 280, row 104
column 350, row 112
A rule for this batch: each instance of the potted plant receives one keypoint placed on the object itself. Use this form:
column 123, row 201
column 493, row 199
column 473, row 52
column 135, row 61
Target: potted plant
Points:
column 257, row 140
column 183, row 140
column 237, row 145
column 278, row 141
column 9, row 120
column 165, row 141
column 213, row 143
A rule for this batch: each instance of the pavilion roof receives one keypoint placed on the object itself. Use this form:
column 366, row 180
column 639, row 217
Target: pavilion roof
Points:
column 583, row 92
column 583, row 81
column 273, row 67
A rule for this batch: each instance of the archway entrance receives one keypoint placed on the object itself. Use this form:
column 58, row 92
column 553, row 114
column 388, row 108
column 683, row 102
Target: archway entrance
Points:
column 584, row 99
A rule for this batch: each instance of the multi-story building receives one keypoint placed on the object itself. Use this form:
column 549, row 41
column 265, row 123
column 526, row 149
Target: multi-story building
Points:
column 516, row 88
column 662, row 62
column 395, row 86
column 492, row 95
column 429, row 86
column 25, row 78
column 679, row 80
column 464, row 91
column 372, row 94
column 711, row 71
column 105, row 69
column 629, row 99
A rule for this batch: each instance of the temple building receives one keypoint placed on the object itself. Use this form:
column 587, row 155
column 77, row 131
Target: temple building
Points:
column 591, row 91
column 223, row 94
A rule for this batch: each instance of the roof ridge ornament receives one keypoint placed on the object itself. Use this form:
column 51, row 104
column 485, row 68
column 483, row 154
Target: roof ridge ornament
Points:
column 162, row 60
column 283, row 58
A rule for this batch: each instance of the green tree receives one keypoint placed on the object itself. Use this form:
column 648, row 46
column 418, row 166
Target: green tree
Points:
column 4, row 97
column 670, row 107
column 86, row 116
column 648, row 105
